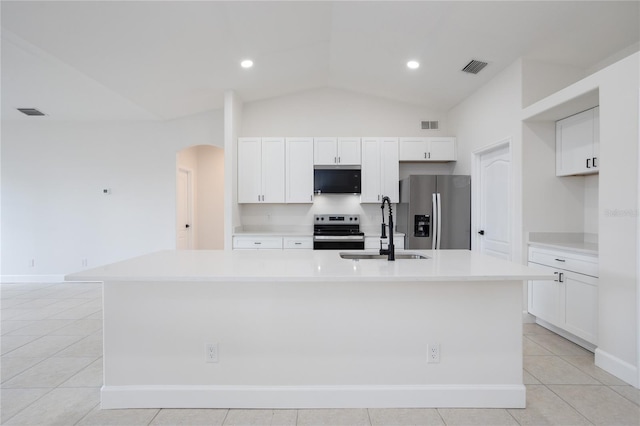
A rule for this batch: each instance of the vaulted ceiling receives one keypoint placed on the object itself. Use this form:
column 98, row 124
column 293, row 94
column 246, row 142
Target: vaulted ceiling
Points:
column 86, row 60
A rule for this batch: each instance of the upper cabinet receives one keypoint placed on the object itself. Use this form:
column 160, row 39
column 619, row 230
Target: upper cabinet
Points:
column 336, row 151
column 578, row 143
column 299, row 166
column 261, row 170
column 380, row 170
column 428, row 149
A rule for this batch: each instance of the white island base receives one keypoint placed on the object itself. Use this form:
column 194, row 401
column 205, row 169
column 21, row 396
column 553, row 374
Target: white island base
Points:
column 340, row 334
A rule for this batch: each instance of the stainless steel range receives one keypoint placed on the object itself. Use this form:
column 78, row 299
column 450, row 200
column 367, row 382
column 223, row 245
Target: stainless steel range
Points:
column 337, row 232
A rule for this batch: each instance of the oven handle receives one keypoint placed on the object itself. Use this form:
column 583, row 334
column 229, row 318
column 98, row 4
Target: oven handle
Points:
column 338, row 237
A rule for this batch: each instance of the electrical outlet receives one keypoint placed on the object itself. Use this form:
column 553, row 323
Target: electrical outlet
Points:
column 433, row 353
column 84, row 262
column 211, row 352
column 32, row 263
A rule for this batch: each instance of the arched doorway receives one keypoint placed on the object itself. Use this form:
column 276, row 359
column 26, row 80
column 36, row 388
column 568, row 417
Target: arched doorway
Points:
column 200, row 198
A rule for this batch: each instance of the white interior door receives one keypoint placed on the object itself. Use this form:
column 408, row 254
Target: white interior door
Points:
column 184, row 215
column 494, row 202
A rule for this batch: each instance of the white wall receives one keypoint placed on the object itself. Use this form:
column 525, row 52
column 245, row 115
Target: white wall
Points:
column 491, row 115
column 53, row 174
column 591, row 204
column 331, row 112
column 618, row 233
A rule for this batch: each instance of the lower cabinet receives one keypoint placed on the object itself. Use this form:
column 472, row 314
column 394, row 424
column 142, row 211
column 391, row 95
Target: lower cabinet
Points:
column 570, row 302
column 257, row 243
column 297, row 242
column 274, row 242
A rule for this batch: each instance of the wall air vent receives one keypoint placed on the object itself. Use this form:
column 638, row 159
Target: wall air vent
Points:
column 30, row 111
column 430, row 125
column 474, row 67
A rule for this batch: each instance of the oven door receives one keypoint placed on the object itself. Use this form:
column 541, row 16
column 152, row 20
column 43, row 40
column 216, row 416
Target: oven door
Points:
column 338, row 242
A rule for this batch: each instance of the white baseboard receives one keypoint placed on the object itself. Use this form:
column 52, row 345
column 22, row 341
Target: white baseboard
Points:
column 31, row 278
column 619, row 368
column 527, row 318
column 428, row 396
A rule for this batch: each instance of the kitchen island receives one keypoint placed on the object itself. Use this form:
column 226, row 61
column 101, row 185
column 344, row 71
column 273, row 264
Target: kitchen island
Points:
column 308, row 329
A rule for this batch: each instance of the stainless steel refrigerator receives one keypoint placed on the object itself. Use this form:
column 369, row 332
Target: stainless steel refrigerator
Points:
column 435, row 211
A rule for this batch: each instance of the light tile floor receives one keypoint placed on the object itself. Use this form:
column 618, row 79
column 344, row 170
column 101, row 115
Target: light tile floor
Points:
column 51, row 373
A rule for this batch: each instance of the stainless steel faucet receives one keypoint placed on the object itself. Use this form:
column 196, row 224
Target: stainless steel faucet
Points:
column 390, row 251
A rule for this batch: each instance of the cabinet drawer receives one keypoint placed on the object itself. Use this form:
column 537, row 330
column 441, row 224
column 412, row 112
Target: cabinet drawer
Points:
column 298, row 242
column 582, row 264
column 257, row 242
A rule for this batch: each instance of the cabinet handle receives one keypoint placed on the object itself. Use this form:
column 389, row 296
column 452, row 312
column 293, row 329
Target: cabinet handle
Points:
column 335, row 160
column 298, row 244
column 258, row 198
column 339, row 160
column 557, row 273
column 561, row 277
column 311, row 197
column 429, row 155
column 561, row 260
column 425, row 155
column 593, row 161
column 257, row 242
column 588, row 166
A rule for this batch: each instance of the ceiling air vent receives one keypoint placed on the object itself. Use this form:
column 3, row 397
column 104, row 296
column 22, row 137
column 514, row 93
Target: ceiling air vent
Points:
column 30, row 111
column 474, row 67
column 429, row 125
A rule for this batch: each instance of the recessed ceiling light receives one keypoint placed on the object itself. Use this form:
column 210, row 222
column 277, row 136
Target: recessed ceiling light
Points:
column 247, row 63
column 413, row 64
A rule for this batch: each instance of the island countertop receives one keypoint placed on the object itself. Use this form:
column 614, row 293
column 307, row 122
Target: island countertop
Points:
column 307, row 266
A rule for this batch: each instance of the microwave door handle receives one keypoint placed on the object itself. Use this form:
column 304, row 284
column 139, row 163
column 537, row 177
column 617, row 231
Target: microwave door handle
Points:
column 439, row 219
column 434, row 213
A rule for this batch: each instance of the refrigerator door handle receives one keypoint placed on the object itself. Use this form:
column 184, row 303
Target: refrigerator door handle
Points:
column 434, row 234
column 439, row 219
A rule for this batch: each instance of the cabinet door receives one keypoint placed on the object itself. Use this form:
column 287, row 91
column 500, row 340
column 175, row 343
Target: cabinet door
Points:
column 574, row 144
column 581, row 305
column 389, row 169
column 442, row 149
column 371, row 172
column 249, row 170
column 413, row 149
column 299, row 176
column 544, row 297
column 349, row 151
column 273, row 170
column 595, row 163
column 325, row 151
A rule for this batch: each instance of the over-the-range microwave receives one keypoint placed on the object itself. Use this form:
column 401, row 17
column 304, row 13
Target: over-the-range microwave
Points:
column 336, row 181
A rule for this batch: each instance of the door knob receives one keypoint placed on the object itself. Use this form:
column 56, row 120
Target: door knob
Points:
column 187, row 225
column 481, row 232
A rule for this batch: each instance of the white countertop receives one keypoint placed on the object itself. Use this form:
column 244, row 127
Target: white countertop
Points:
column 307, row 266
column 574, row 241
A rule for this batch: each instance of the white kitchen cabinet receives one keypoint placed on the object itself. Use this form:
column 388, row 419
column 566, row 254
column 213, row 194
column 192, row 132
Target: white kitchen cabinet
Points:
column 298, row 242
column 261, row 170
column 373, row 243
column 299, row 170
column 336, row 151
column 578, row 143
column 380, row 170
column 256, row 242
column 428, row 149
column 571, row 301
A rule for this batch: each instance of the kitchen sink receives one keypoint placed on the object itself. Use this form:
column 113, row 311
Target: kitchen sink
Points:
column 367, row 256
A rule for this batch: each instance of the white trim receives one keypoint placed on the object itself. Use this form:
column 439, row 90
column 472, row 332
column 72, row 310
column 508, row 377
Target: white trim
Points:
column 619, row 368
column 428, row 396
column 637, row 385
column 475, row 189
column 31, row 278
